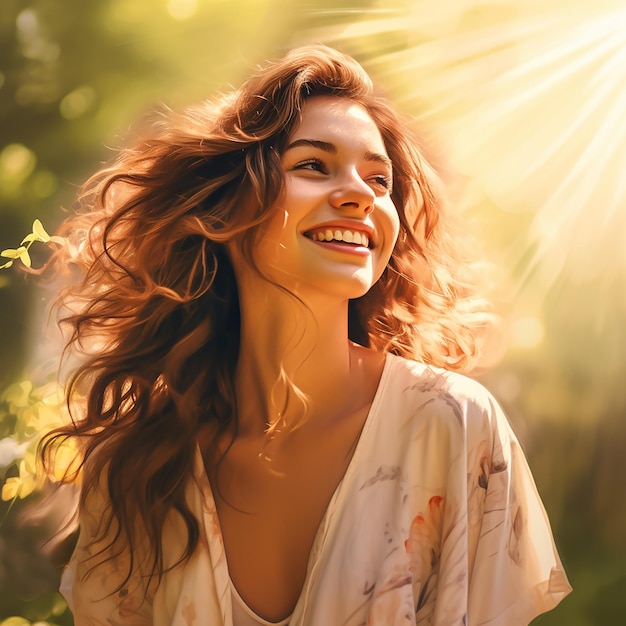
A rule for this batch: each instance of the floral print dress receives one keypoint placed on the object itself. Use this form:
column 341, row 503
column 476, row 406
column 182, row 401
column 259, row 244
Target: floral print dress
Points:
column 436, row 522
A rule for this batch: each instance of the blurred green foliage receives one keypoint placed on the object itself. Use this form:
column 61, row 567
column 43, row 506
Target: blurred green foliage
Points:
column 74, row 74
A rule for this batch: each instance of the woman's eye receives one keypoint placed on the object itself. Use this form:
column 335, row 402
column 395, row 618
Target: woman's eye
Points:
column 382, row 181
column 314, row 165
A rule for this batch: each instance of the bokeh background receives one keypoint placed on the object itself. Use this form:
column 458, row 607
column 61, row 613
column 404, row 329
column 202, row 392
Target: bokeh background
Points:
column 524, row 105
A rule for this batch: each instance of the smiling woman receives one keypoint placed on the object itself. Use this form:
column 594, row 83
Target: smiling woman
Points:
column 337, row 190
column 270, row 307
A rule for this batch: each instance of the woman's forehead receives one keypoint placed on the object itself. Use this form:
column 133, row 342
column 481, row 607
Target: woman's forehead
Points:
column 333, row 117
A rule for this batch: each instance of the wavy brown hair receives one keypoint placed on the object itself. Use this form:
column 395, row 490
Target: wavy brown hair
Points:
column 154, row 310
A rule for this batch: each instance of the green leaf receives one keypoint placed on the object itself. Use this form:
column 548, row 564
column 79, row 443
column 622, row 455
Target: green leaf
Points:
column 25, row 257
column 11, row 253
column 11, row 491
column 40, row 232
column 18, row 393
column 20, row 253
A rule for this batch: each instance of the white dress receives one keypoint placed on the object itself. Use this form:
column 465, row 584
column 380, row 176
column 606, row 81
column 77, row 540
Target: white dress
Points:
column 436, row 522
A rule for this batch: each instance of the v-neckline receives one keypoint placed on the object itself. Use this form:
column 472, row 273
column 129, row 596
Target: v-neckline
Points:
column 215, row 539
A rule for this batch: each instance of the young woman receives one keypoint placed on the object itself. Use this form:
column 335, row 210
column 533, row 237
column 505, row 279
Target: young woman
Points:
column 271, row 307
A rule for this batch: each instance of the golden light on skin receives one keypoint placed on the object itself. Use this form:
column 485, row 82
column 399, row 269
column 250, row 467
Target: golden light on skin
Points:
column 529, row 100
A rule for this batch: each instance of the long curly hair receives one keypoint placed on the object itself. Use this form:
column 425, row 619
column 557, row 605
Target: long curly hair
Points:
column 153, row 308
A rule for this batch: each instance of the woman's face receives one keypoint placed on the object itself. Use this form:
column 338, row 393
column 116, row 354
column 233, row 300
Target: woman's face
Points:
column 334, row 227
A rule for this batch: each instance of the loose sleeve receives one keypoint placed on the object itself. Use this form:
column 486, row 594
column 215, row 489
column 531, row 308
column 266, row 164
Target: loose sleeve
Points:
column 515, row 570
column 93, row 582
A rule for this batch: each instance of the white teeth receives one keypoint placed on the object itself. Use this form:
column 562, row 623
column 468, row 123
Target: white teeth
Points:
column 349, row 236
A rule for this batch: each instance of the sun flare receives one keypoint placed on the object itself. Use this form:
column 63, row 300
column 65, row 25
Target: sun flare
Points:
column 529, row 100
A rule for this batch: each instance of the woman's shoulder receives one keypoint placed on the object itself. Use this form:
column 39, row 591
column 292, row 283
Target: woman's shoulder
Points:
column 417, row 379
column 441, row 401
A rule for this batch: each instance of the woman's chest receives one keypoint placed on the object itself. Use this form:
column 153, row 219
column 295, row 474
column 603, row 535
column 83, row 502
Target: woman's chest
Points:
column 270, row 507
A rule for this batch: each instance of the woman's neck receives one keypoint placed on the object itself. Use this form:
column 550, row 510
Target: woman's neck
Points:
column 286, row 344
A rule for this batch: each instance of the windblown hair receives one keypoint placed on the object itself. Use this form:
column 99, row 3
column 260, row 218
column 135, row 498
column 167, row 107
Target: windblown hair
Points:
column 155, row 313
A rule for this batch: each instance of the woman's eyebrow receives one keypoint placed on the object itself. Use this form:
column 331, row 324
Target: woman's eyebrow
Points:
column 379, row 158
column 313, row 143
column 326, row 146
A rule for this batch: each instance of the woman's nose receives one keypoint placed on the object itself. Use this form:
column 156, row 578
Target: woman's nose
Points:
column 353, row 192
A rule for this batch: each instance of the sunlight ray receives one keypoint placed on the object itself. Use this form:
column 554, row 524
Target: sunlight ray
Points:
column 530, row 100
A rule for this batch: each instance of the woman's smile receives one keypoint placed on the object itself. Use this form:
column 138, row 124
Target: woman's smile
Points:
column 335, row 225
column 356, row 239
